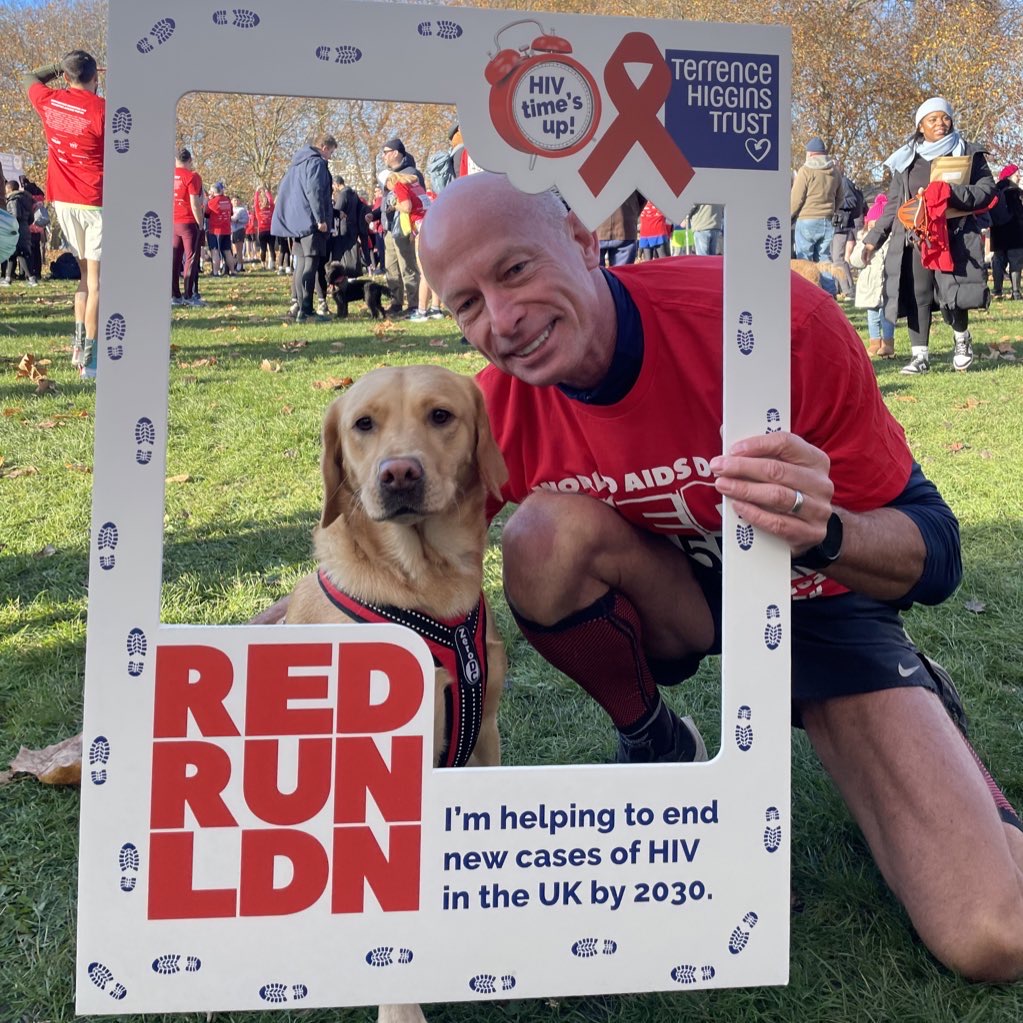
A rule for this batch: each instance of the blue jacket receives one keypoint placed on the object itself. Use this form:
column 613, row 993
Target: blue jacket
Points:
column 304, row 198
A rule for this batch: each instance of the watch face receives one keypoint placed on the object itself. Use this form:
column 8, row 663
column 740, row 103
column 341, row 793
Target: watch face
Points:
column 554, row 104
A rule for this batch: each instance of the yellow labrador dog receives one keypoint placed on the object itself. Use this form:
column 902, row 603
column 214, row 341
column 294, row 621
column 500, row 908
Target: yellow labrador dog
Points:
column 408, row 461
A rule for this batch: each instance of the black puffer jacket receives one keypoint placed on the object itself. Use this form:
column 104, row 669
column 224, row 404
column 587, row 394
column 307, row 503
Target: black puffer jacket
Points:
column 964, row 287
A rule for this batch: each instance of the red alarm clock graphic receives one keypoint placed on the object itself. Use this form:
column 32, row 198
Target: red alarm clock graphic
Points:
column 542, row 101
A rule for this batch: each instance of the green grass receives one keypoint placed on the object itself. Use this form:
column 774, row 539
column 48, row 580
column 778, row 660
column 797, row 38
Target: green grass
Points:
column 237, row 536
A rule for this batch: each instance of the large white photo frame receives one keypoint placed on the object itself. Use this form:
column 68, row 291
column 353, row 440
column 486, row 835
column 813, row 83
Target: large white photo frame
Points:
column 695, row 856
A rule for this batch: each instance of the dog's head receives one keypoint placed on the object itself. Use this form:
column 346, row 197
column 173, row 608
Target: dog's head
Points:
column 338, row 274
column 408, row 442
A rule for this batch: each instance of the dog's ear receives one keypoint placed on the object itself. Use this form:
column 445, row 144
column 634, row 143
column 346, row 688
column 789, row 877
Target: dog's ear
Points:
column 489, row 459
column 331, row 464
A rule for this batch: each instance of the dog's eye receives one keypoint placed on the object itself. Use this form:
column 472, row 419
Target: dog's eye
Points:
column 364, row 424
column 439, row 416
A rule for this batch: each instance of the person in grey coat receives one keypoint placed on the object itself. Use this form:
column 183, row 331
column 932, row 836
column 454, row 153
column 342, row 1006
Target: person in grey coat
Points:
column 305, row 213
column 914, row 290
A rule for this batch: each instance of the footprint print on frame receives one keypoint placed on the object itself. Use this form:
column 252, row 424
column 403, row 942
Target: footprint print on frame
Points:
column 773, row 241
column 744, row 730
column 106, row 542
column 115, row 331
column 443, row 30
column 345, row 53
column 171, row 963
column 137, row 646
column 240, row 18
column 128, row 861
column 120, row 128
column 101, row 975
column 744, row 335
column 772, row 833
column 772, row 630
column 739, row 938
column 158, row 35
column 277, row 993
column 151, row 228
column 99, row 754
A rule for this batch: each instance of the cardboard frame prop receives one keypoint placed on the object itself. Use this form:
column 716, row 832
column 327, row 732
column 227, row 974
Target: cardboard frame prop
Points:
column 214, row 877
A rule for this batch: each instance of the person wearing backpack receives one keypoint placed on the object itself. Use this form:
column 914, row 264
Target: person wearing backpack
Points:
column 21, row 207
column 400, row 263
column 846, row 219
column 1007, row 233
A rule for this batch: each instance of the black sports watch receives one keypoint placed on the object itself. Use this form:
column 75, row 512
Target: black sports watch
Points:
column 827, row 552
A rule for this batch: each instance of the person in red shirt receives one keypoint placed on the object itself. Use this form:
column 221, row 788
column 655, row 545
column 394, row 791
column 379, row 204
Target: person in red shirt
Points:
column 412, row 201
column 262, row 212
column 604, row 394
column 654, row 232
column 218, row 231
column 73, row 121
column 188, row 217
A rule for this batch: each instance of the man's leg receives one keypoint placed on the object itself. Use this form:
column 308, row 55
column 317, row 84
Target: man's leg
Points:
column 392, row 270
column 924, row 807
column 616, row 609
column 406, row 249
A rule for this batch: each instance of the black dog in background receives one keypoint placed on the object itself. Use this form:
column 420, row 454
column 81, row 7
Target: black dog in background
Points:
column 345, row 288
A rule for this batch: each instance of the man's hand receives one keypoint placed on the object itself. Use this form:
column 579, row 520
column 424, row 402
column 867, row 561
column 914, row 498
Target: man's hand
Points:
column 868, row 253
column 322, row 227
column 763, row 476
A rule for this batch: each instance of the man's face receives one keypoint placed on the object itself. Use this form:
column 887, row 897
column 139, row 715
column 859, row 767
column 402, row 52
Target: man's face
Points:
column 392, row 157
column 522, row 290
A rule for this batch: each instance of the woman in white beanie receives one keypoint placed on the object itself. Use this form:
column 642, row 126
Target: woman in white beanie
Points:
column 914, row 290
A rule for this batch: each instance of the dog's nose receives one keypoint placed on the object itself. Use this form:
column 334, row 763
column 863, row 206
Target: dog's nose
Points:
column 399, row 475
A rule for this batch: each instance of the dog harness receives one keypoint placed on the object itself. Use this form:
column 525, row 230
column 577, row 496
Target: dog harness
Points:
column 459, row 646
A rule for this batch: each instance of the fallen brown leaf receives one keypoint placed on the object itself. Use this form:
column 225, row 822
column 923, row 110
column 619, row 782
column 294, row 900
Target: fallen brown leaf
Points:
column 183, row 477
column 46, row 552
column 332, row 384
column 956, row 446
column 78, row 467
column 286, row 410
column 906, row 397
column 59, row 764
column 13, row 411
column 293, row 346
column 437, row 342
column 270, row 367
column 976, row 606
column 26, row 470
column 45, row 386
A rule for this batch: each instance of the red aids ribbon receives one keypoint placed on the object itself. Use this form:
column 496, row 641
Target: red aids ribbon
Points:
column 637, row 118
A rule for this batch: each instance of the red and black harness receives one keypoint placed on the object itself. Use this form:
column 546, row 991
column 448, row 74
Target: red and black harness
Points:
column 459, row 646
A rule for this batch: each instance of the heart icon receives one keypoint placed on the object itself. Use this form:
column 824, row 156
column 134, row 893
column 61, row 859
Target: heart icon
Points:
column 758, row 148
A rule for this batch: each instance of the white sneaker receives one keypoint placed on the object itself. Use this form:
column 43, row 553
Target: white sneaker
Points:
column 962, row 359
column 918, row 365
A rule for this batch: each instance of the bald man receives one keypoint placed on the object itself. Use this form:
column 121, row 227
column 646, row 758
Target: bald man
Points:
column 606, row 384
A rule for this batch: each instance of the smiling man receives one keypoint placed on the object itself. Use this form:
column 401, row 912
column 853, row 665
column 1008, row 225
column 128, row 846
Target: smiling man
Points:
column 606, row 384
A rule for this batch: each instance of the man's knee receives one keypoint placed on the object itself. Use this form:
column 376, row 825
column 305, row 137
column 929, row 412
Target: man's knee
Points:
column 548, row 544
column 986, row 947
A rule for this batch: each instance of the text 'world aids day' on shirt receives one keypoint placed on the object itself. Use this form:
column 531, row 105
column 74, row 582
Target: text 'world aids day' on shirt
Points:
column 648, row 454
column 186, row 183
column 73, row 124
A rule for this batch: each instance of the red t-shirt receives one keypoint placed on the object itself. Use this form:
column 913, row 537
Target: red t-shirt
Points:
column 220, row 214
column 652, row 222
column 263, row 209
column 419, row 198
column 186, row 183
column 73, row 124
column 648, row 455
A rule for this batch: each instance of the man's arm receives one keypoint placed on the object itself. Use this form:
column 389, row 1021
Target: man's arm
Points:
column 883, row 552
column 41, row 75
